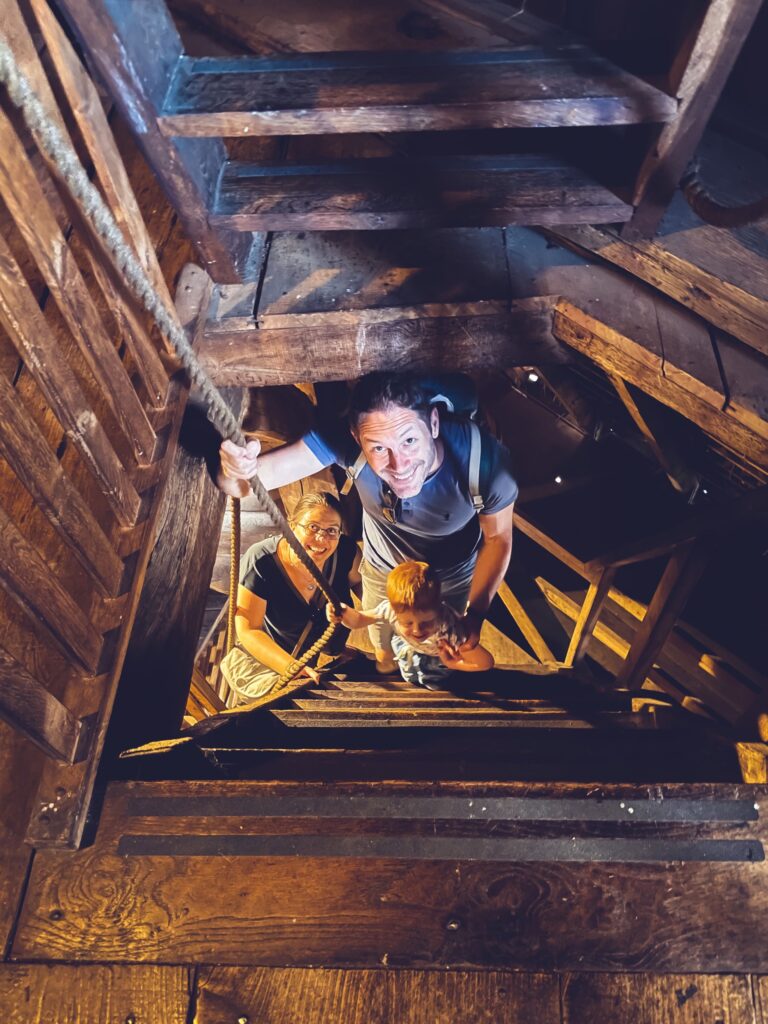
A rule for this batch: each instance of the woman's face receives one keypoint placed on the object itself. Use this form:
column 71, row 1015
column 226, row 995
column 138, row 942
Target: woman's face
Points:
column 318, row 529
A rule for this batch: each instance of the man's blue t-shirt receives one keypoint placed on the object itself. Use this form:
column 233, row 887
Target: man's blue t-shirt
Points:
column 439, row 525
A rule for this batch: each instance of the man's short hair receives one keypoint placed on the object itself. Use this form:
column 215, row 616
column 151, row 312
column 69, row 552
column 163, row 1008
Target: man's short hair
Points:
column 377, row 391
column 413, row 585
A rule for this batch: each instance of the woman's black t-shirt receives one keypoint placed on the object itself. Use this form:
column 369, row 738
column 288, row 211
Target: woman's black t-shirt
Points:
column 287, row 612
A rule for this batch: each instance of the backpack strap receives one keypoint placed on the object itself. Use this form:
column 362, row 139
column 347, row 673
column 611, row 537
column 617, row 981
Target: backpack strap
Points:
column 353, row 472
column 475, row 455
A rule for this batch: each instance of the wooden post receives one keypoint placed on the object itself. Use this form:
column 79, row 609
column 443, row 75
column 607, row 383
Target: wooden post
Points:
column 678, row 580
column 590, row 612
column 136, row 49
column 724, row 28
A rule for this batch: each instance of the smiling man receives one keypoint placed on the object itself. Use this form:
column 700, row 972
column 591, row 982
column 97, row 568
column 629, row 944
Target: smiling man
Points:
column 415, row 489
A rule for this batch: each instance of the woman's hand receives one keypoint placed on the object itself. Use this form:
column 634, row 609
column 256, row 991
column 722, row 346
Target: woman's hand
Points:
column 238, row 466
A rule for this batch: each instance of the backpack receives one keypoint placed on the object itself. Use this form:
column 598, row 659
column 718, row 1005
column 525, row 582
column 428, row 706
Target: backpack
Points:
column 458, row 395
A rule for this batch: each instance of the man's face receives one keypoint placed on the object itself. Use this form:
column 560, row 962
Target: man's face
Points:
column 400, row 447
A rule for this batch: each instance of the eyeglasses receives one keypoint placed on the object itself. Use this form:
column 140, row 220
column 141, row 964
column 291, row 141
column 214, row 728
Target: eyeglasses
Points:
column 332, row 532
column 390, row 505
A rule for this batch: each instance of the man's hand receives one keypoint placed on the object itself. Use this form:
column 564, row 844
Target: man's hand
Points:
column 471, row 624
column 238, row 465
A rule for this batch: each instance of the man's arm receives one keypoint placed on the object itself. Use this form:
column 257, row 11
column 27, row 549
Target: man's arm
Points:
column 492, row 562
column 275, row 469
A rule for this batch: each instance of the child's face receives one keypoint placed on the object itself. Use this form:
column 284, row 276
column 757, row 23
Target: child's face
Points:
column 418, row 623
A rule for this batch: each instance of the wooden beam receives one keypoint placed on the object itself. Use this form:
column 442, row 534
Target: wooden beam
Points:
column 27, row 706
column 585, row 570
column 736, row 427
column 591, row 607
column 136, row 49
column 526, row 626
column 28, row 330
column 680, row 480
column 33, row 461
column 27, row 578
column 724, row 27
column 333, row 350
column 678, row 580
column 56, row 262
column 733, row 309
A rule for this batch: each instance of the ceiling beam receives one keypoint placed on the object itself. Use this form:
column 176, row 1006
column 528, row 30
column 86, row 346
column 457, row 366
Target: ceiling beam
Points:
column 345, row 345
column 734, row 426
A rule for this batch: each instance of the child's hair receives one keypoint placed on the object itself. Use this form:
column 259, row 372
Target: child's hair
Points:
column 413, row 585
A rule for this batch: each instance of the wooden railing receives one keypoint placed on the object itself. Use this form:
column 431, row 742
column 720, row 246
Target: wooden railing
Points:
column 89, row 416
column 653, row 647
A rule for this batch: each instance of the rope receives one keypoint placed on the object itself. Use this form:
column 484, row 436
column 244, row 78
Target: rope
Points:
column 234, row 562
column 708, row 209
column 61, row 154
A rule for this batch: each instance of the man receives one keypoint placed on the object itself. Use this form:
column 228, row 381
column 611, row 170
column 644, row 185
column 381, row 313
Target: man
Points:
column 415, row 491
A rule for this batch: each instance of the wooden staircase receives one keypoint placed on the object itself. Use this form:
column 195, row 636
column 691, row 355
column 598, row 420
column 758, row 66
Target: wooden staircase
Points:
column 540, row 83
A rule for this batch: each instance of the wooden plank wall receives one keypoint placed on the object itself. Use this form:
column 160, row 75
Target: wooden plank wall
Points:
column 90, row 416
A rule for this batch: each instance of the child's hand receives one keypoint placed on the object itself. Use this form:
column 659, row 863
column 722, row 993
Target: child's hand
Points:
column 449, row 655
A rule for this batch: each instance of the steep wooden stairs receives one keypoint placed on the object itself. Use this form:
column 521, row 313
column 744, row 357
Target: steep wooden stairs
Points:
column 182, row 108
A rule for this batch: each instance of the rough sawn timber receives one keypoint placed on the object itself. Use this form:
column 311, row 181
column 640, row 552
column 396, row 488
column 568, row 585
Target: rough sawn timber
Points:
column 353, row 911
column 334, row 346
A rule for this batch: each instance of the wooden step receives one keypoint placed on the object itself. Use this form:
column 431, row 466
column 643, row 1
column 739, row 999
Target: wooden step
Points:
column 326, row 714
column 330, row 93
column 531, row 877
column 451, row 191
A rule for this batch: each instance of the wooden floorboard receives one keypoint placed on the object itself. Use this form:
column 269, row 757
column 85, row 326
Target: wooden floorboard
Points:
column 285, row 996
column 661, row 999
column 208, row 906
column 60, row 994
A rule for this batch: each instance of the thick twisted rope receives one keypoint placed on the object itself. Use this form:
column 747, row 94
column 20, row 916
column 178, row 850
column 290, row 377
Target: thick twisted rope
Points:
column 61, row 154
column 234, row 564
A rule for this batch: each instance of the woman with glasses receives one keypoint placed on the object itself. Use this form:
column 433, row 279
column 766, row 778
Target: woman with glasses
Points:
column 280, row 611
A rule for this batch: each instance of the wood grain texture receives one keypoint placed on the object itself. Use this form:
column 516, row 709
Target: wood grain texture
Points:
column 29, row 707
column 451, row 192
column 658, row 999
column 382, row 996
column 252, row 357
column 27, row 578
column 724, row 303
column 55, row 994
column 302, row 911
column 32, row 338
column 135, row 49
column 34, row 462
column 21, row 190
column 332, row 271
column 324, row 93
column 723, row 30
column 674, row 387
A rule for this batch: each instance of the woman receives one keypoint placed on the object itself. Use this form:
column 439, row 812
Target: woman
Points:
column 280, row 611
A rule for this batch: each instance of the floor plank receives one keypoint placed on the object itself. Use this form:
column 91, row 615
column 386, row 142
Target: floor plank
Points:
column 317, row 996
column 59, row 994
column 274, row 910
column 658, row 999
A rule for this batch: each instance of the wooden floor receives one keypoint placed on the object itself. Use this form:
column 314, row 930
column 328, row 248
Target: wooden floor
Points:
column 63, row 994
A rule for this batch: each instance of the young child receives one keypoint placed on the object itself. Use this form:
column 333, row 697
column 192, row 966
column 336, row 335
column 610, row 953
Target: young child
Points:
column 427, row 632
